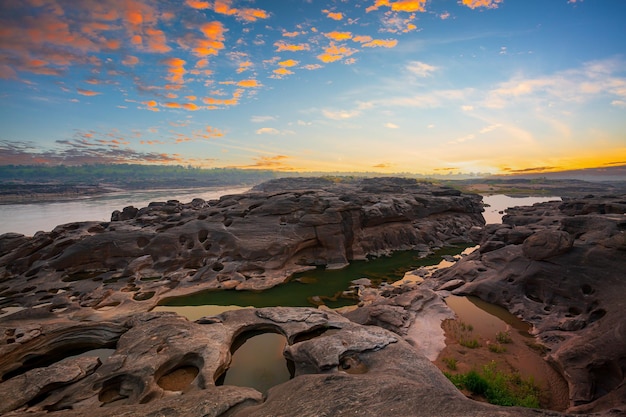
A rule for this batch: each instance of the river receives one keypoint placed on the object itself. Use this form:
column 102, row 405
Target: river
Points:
column 29, row 218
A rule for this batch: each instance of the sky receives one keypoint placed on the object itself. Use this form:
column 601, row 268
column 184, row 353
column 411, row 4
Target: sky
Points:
column 414, row 86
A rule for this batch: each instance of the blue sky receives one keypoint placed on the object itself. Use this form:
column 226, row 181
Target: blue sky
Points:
column 498, row 86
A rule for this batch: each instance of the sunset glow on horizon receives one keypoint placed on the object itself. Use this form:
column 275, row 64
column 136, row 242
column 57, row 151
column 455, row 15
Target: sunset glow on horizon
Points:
column 419, row 86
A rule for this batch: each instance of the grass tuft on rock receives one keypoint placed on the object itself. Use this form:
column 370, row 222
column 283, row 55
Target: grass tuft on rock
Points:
column 497, row 387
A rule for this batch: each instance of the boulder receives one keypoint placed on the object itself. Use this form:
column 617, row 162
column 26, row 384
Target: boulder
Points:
column 545, row 244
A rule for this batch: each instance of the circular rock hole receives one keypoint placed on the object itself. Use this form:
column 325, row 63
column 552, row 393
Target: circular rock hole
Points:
column 574, row 311
column 202, row 235
column 178, row 379
column 142, row 296
column 120, row 388
column 258, row 362
column 142, row 241
column 596, row 315
column 352, row 364
column 586, row 289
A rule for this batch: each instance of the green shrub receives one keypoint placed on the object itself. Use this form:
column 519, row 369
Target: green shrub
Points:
column 500, row 388
column 504, row 337
column 450, row 363
column 497, row 348
column 469, row 343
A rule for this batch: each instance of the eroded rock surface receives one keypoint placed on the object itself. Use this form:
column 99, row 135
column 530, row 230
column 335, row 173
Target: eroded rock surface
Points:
column 255, row 240
column 340, row 367
column 561, row 266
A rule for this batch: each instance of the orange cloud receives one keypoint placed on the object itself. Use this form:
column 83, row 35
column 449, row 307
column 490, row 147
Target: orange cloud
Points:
column 151, row 105
column 173, row 105
column 489, row 4
column 284, row 46
column 334, row 53
column 130, row 61
column 409, row 6
column 196, row 4
column 269, row 162
column 338, row 36
column 384, row 43
column 248, row 83
column 191, row 106
column 401, row 5
column 244, row 66
column 283, row 71
column 248, row 14
column 291, row 34
column 176, row 70
column 214, row 39
column 288, row 63
column 213, row 102
column 333, row 15
column 362, row 38
column 84, row 92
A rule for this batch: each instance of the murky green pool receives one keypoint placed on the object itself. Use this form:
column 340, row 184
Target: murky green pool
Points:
column 321, row 286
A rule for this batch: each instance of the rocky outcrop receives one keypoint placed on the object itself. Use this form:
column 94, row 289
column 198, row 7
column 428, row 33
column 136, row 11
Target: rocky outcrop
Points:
column 255, row 240
column 339, row 368
column 561, row 267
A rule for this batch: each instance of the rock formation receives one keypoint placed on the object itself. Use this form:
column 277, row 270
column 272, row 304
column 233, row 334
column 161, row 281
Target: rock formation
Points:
column 91, row 285
column 248, row 241
column 340, row 367
column 560, row 266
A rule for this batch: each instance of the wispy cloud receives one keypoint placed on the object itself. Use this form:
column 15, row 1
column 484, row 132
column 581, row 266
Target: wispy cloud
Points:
column 262, row 119
column 340, row 114
column 267, row 131
column 84, row 92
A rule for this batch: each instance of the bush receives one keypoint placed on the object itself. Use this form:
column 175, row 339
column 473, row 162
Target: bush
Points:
column 500, row 388
column 497, row 348
column 450, row 363
column 469, row 343
column 503, row 337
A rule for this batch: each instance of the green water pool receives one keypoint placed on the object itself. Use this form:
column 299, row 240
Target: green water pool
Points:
column 321, row 286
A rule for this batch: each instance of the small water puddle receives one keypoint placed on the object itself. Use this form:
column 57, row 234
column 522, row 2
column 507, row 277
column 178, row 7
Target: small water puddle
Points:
column 487, row 319
column 258, row 362
column 486, row 334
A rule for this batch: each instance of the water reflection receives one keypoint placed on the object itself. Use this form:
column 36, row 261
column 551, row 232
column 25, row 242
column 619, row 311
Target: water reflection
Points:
column 258, row 363
column 28, row 218
column 320, row 286
column 486, row 319
column 499, row 202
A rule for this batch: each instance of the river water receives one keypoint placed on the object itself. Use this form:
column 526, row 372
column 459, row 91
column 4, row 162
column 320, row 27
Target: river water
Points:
column 29, row 218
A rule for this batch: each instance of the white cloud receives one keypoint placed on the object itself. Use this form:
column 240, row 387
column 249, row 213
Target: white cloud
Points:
column 467, row 108
column 391, row 125
column 421, row 69
column 261, row 119
column 340, row 114
column 267, row 131
column 618, row 103
column 489, row 128
column 595, row 79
